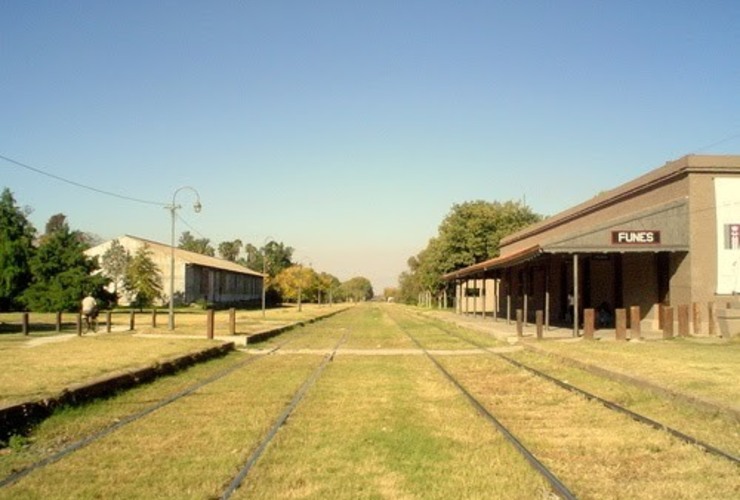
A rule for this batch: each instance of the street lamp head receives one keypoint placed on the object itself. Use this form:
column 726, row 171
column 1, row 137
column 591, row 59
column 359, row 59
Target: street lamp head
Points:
column 197, row 206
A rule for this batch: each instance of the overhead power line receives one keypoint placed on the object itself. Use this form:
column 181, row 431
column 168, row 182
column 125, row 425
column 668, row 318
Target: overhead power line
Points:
column 80, row 185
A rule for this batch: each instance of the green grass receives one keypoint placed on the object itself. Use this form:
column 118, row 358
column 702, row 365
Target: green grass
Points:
column 375, row 427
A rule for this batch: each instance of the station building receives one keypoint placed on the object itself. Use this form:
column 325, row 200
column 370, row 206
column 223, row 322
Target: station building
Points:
column 196, row 276
column 667, row 238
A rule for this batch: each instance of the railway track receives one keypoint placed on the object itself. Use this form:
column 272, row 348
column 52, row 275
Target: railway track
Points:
column 707, row 447
column 558, row 487
column 130, row 419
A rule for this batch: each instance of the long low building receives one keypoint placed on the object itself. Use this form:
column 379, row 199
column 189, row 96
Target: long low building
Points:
column 668, row 238
column 197, row 276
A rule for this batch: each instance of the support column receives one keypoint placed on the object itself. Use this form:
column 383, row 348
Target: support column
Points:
column 576, row 303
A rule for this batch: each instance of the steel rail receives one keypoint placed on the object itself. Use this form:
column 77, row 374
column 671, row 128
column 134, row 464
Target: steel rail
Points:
column 706, row 447
column 81, row 443
column 297, row 397
column 558, row 487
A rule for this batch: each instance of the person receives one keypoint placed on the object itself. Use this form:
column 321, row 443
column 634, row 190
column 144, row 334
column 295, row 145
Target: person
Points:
column 90, row 312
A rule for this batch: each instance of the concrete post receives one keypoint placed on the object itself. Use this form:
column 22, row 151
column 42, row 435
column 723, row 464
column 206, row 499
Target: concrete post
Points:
column 108, row 317
column 210, row 316
column 539, row 320
column 232, row 321
column 154, row 318
column 635, row 322
column 132, row 320
column 24, row 326
column 519, row 324
column 697, row 318
column 79, row 324
column 683, row 320
column 621, row 324
column 667, row 322
column 588, row 323
column 59, row 322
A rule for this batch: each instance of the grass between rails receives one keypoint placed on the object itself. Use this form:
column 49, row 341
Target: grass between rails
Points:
column 189, row 449
column 374, row 427
column 70, row 424
column 719, row 429
column 705, row 368
column 597, row 452
column 47, row 369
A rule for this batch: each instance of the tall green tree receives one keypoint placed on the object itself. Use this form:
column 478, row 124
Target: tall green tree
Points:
column 114, row 264
column 274, row 256
column 202, row 245
column 229, row 250
column 16, row 251
column 62, row 273
column 470, row 233
column 143, row 279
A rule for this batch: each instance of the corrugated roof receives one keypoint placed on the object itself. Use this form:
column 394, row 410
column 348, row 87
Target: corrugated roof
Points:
column 197, row 258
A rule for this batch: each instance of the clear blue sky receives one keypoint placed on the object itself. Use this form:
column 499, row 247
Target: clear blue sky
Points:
column 349, row 129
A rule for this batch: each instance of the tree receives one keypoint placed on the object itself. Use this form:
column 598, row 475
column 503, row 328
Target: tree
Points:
column 229, row 250
column 16, row 250
column 326, row 286
column 62, row 273
column 296, row 283
column 470, row 233
column 143, row 279
column 55, row 223
column 190, row 243
column 358, row 289
column 114, row 264
column 277, row 257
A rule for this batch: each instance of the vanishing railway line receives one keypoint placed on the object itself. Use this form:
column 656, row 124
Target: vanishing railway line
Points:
column 477, row 383
column 558, row 487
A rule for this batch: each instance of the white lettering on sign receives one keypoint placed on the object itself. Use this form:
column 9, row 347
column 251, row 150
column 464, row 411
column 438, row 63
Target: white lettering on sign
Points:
column 635, row 237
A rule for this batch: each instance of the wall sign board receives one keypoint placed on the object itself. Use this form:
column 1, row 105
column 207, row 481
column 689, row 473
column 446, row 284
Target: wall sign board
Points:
column 636, row 237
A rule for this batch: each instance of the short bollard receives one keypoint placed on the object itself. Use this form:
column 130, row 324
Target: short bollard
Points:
column 588, row 323
column 697, row 318
column 132, row 321
column 635, row 322
column 59, row 322
column 25, row 323
column 667, row 322
column 621, row 324
column 232, row 321
column 79, row 324
column 683, row 320
column 108, row 317
column 539, row 320
column 154, row 318
column 519, row 323
column 209, row 323
column 710, row 319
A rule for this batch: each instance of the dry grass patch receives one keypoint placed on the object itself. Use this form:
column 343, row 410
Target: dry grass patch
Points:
column 706, row 368
column 189, row 449
column 48, row 368
column 713, row 427
column 71, row 424
column 595, row 451
column 374, row 427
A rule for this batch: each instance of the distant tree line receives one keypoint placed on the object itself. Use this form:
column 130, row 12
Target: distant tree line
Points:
column 50, row 272
column 470, row 233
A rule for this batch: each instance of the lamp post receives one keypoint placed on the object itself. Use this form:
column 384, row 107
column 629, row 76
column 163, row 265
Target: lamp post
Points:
column 173, row 212
column 264, row 271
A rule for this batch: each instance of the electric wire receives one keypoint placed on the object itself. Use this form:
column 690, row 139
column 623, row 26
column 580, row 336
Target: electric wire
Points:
column 80, row 185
